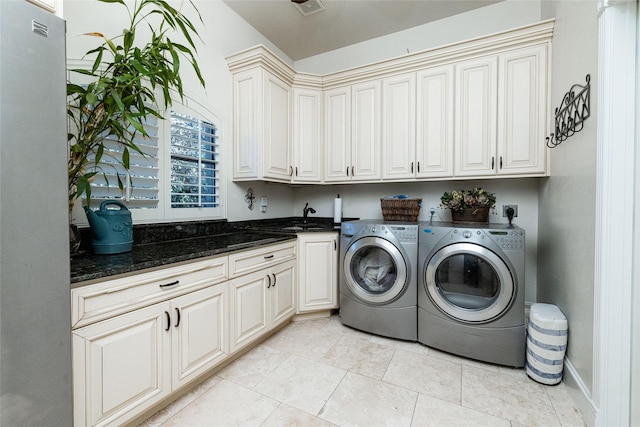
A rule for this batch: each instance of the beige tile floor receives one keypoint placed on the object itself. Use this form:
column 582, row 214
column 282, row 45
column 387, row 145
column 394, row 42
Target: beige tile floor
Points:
column 321, row 373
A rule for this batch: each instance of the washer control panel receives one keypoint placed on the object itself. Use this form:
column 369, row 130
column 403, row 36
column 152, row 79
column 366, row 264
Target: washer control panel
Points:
column 405, row 233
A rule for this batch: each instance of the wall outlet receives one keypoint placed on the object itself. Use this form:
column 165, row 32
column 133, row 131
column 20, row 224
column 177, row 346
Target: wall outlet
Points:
column 505, row 207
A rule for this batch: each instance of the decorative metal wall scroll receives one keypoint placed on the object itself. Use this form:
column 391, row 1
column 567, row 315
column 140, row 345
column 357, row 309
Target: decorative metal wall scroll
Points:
column 573, row 111
column 250, row 198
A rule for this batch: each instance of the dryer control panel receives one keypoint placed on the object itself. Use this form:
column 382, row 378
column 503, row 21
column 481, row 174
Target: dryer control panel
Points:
column 508, row 240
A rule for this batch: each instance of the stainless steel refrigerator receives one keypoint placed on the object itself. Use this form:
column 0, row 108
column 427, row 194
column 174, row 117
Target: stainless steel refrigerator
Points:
column 35, row 337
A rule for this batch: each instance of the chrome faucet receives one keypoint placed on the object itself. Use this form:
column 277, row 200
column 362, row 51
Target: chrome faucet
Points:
column 306, row 211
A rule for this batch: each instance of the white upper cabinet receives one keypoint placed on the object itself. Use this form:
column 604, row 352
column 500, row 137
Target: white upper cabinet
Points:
column 399, row 126
column 262, row 116
column 417, row 124
column 434, row 111
column 473, row 109
column 501, row 114
column 522, row 111
column 337, row 103
column 276, row 163
column 262, row 109
column 475, row 117
column 365, row 131
column 307, row 147
column 352, row 133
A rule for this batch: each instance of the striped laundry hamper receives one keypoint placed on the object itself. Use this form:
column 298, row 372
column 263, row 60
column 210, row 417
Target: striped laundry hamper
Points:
column 546, row 343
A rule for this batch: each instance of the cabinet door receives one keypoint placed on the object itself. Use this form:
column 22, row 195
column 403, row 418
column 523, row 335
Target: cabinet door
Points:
column 476, row 111
column 365, row 131
column 247, row 112
column 434, row 141
column 318, row 271
column 282, row 292
column 249, row 310
column 522, row 102
column 307, row 135
column 337, row 106
column 399, row 127
column 200, row 337
column 121, row 366
column 277, row 119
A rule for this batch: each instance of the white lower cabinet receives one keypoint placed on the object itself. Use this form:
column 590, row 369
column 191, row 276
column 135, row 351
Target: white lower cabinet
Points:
column 261, row 301
column 200, row 332
column 140, row 338
column 124, row 365
column 317, row 271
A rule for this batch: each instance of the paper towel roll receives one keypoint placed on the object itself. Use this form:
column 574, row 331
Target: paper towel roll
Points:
column 337, row 209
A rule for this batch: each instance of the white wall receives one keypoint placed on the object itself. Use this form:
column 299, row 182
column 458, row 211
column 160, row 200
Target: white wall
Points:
column 567, row 198
column 222, row 34
column 476, row 23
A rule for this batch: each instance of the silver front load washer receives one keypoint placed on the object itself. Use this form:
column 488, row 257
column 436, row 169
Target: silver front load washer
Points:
column 471, row 291
column 378, row 277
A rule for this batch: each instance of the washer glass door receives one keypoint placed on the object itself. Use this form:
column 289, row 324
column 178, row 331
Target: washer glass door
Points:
column 375, row 270
column 469, row 282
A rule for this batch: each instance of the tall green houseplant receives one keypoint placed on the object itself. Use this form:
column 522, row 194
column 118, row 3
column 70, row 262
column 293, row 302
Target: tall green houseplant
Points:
column 129, row 81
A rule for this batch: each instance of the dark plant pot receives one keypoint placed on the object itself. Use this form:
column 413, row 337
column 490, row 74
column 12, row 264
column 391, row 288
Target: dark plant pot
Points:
column 471, row 216
column 74, row 239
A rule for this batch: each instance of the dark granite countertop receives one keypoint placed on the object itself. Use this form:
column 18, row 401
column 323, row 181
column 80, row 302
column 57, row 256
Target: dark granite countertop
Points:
column 157, row 245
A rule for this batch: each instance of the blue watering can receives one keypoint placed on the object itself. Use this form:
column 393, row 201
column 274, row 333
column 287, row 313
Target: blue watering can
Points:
column 111, row 229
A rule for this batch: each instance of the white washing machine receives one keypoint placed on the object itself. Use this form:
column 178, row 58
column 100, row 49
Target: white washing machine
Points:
column 471, row 291
column 378, row 277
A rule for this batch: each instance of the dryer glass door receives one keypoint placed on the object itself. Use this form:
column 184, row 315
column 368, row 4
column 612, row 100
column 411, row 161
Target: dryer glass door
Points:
column 469, row 282
column 375, row 270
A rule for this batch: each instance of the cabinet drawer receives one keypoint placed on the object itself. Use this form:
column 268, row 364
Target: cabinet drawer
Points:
column 265, row 256
column 100, row 301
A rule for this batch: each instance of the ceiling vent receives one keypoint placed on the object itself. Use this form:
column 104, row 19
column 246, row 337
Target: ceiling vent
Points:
column 308, row 7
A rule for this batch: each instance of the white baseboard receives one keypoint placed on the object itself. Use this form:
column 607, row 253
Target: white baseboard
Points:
column 580, row 393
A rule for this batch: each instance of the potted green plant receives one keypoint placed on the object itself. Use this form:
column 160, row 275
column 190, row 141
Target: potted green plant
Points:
column 129, row 81
column 468, row 206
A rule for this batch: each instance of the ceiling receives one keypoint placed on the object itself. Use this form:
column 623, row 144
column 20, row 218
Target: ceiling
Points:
column 342, row 22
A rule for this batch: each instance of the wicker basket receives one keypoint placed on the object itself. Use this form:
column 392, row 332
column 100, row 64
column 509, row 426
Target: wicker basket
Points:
column 400, row 209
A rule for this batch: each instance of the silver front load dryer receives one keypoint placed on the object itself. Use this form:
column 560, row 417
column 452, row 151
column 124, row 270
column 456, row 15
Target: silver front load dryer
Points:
column 471, row 291
column 378, row 277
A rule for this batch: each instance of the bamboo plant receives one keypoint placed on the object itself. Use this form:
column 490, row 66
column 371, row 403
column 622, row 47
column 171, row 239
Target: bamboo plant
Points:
column 129, row 81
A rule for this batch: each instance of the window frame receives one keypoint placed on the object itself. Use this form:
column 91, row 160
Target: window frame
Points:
column 193, row 108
